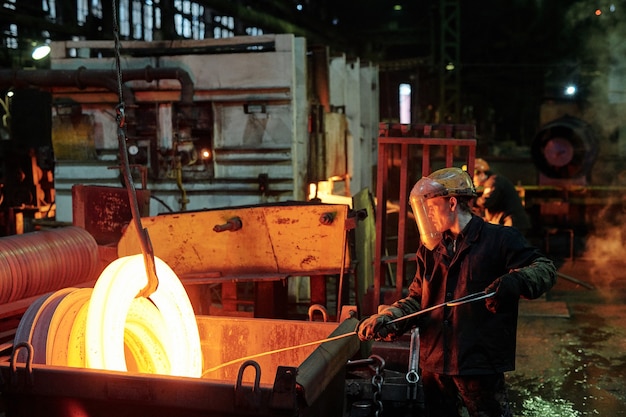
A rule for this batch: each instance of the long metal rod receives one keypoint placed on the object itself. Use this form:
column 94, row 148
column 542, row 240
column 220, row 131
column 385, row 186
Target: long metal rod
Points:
column 575, row 281
column 271, row 352
column 454, row 303
column 341, row 275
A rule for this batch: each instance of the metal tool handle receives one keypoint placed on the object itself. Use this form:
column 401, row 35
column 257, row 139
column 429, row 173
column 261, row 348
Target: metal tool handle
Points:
column 454, row 303
column 412, row 376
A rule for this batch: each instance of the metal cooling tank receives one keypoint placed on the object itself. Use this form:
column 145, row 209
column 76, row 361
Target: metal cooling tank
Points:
column 308, row 381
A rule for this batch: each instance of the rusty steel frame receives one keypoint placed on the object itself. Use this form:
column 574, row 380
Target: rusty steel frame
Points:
column 385, row 144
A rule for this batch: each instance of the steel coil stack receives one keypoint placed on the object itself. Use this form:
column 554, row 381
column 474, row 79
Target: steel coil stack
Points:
column 39, row 262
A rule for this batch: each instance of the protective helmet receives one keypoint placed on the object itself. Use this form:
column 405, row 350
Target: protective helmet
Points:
column 454, row 182
column 481, row 165
column 444, row 182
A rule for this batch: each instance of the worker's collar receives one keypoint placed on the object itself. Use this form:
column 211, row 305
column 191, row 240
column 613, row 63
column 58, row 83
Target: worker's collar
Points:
column 448, row 235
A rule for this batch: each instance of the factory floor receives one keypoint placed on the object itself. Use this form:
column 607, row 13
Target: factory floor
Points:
column 571, row 357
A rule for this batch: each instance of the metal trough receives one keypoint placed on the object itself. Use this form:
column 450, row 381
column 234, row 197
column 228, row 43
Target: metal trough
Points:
column 307, row 381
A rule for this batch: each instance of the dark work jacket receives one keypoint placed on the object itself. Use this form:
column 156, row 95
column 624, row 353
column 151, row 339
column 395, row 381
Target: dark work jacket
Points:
column 502, row 204
column 468, row 339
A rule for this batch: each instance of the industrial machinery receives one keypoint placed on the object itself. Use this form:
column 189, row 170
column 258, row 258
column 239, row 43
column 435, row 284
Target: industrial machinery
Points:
column 211, row 123
column 565, row 149
column 202, row 135
column 101, row 347
column 252, row 363
column 204, row 130
column 307, row 381
column 244, row 366
column 264, row 245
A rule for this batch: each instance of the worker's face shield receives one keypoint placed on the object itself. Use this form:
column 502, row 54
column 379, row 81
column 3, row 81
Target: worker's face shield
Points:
column 422, row 191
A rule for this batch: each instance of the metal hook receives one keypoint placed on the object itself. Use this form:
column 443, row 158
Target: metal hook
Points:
column 121, row 115
column 244, row 398
column 379, row 366
column 320, row 308
column 29, row 362
column 257, row 377
column 144, row 239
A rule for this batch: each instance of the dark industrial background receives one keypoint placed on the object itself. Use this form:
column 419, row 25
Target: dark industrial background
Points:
column 500, row 66
column 509, row 57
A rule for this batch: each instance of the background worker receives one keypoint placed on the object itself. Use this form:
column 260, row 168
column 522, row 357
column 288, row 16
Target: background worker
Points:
column 465, row 349
column 498, row 201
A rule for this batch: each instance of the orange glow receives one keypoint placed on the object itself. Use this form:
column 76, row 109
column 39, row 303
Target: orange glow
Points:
column 598, row 12
column 145, row 339
column 110, row 327
column 66, row 332
column 205, row 154
column 170, row 338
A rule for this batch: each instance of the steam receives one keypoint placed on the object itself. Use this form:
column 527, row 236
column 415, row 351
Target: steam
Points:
column 605, row 245
column 602, row 61
column 602, row 64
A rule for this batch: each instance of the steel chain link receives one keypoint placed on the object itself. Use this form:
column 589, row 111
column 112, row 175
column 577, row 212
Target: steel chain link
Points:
column 377, row 383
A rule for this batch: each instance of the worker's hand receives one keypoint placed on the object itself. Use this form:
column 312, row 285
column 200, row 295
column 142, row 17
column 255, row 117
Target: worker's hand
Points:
column 506, row 291
column 377, row 327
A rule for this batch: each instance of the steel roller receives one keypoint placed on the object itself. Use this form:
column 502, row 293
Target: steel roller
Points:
column 43, row 261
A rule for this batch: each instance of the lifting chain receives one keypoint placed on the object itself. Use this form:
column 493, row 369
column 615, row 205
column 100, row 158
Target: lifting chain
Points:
column 377, row 384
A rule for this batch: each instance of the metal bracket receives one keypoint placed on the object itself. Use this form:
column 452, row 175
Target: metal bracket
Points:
column 248, row 398
column 319, row 308
column 284, row 393
column 29, row 364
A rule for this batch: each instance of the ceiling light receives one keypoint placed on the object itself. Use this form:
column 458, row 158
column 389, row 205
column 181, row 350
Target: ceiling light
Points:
column 41, row 52
column 570, row 90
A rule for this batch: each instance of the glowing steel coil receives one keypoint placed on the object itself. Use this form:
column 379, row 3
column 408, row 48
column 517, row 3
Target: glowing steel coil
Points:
column 66, row 332
column 110, row 302
column 145, row 331
column 109, row 327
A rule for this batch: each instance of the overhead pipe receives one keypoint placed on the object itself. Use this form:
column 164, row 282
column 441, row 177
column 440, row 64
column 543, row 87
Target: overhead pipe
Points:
column 83, row 78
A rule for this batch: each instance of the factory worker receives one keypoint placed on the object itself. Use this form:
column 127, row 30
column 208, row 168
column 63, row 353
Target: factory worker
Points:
column 498, row 201
column 466, row 348
column 481, row 173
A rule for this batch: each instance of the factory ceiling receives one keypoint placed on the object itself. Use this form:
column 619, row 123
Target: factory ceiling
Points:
column 508, row 33
column 510, row 54
column 370, row 29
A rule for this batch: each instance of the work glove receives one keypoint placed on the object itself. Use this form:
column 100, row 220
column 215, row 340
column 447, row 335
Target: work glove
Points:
column 507, row 289
column 377, row 327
